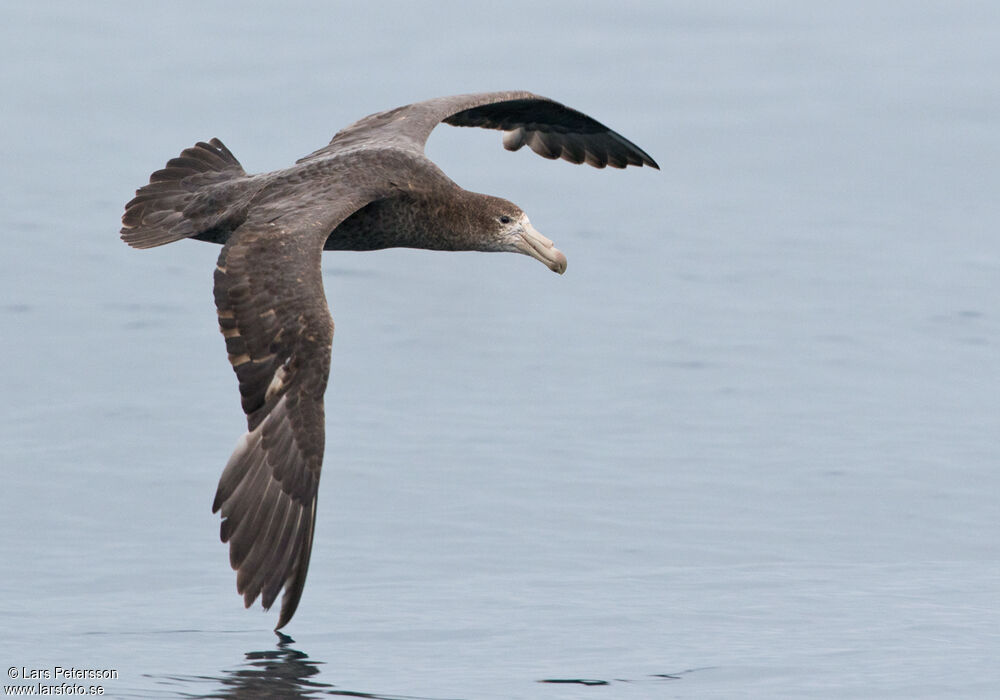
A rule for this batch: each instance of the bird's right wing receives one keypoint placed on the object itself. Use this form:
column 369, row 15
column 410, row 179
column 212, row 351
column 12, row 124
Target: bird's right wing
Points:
column 274, row 316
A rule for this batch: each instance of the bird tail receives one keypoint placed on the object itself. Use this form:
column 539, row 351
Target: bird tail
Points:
column 190, row 197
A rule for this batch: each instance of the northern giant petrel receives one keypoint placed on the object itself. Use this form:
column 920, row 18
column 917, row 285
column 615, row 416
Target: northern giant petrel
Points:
column 371, row 187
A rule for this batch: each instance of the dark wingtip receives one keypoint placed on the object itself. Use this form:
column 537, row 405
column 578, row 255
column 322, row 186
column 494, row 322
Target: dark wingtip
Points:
column 296, row 583
column 639, row 157
column 287, row 613
column 290, row 601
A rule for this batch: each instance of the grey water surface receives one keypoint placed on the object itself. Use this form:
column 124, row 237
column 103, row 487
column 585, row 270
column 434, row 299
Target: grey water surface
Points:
column 747, row 446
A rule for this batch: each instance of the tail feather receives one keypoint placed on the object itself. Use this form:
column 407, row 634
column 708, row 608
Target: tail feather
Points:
column 186, row 198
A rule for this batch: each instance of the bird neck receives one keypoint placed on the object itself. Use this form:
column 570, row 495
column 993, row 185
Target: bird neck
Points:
column 409, row 221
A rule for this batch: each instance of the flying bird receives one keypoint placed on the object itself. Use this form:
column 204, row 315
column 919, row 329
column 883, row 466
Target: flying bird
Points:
column 370, row 188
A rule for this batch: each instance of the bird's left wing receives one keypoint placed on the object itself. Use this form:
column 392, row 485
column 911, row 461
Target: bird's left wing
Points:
column 273, row 314
column 549, row 128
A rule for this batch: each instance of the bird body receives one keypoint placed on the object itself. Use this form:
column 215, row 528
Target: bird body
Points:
column 371, row 187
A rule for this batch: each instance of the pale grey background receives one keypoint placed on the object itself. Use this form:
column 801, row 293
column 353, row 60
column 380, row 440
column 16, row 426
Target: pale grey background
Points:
column 750, row 438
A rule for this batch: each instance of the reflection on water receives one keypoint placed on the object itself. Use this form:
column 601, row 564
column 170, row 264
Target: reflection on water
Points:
column 283, row 673
column 654, row 677
column 287, row 673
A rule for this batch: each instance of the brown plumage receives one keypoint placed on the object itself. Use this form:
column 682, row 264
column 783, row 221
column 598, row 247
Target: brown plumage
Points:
column 371, row 187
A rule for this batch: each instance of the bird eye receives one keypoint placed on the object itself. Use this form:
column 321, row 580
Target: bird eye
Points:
column 504, row 219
